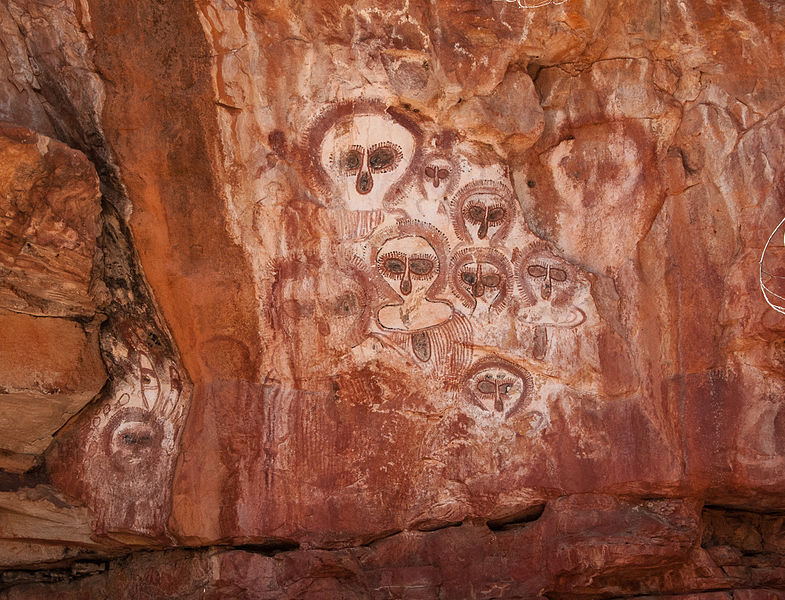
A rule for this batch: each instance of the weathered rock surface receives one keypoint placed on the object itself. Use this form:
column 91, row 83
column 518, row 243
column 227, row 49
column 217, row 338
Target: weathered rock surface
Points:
column 50, row 365
column 450, row 299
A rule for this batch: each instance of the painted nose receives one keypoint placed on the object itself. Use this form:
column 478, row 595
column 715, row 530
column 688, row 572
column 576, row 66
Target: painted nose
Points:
column 478, row 289
column 546, row 288
column 323, row 327
column 364, row 182
column 498, row 404
column 406, row 282
column 484, row 226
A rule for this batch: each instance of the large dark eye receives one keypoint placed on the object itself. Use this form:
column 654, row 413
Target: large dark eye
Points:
column 420, row 266
column 383, row 159
column 395, row 266
column 476, row 213
column 496, row 214
column 536, row 270
column 430, row 172
column 558, row 274
column 491, row 280
column 351, row 161
column 139, row 437
column 469, row 278
column 486, row 387
column 345, row 305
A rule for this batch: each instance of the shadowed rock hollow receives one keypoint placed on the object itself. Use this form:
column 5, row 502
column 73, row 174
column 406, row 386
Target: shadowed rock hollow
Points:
column 439, row 299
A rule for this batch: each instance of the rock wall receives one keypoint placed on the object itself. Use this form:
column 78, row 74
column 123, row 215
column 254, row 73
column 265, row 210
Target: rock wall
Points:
column 452, row 299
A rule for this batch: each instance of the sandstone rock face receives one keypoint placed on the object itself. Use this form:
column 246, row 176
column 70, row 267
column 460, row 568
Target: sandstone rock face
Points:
column 50, row 365
column 398, row 299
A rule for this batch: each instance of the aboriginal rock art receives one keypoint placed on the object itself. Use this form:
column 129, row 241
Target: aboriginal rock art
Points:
column 440, row 174
column 550, row 288
column 361, row 160
column 483, row 212
column 412, row 258
column 431, row 264
column 133, row 437
column 319, row 308
column 482, row 278
column 497, row 385
column 119, row 459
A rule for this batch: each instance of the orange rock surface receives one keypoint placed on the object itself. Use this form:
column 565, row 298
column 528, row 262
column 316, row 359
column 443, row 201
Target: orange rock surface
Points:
column 452, row 299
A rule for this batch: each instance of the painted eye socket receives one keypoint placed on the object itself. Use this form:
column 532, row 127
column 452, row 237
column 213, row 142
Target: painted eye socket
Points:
column 486, row 387
column 496, row 214
column 383, row 158
column 352, row 161
column 298, row 310
column 133, row 443
column 492, row 280
column 558, row 274
column 346, row 305
column 421, row 266
column 431, row 172
column 393, row 266
column 137, row 437
column 476, row 213
column 469, row 278
column 536, row 270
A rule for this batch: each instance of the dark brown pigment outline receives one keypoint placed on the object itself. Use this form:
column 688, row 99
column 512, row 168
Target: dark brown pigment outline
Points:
column 469, row 291
column 310, row 150
column 497, row 363
column 560, row 290
column 467, row 210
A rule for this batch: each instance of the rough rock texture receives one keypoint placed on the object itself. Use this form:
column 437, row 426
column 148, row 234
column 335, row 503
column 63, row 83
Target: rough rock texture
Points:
column 451, row 299
column 50, row 365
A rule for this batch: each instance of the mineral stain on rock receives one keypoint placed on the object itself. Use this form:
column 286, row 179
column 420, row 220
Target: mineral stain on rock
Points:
column 435, row 300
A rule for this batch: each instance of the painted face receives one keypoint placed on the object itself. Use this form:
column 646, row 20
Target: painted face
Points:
column 497, row 385
column 550, row 287
column 437, row 174
column 365, row 156
column 481, row 276
column 483, row 210
column 409, row 264
column 134, row 440
column 545, row 276
column 482, row 280
column 320, row 311
column 496, row 389
column 483, row 214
